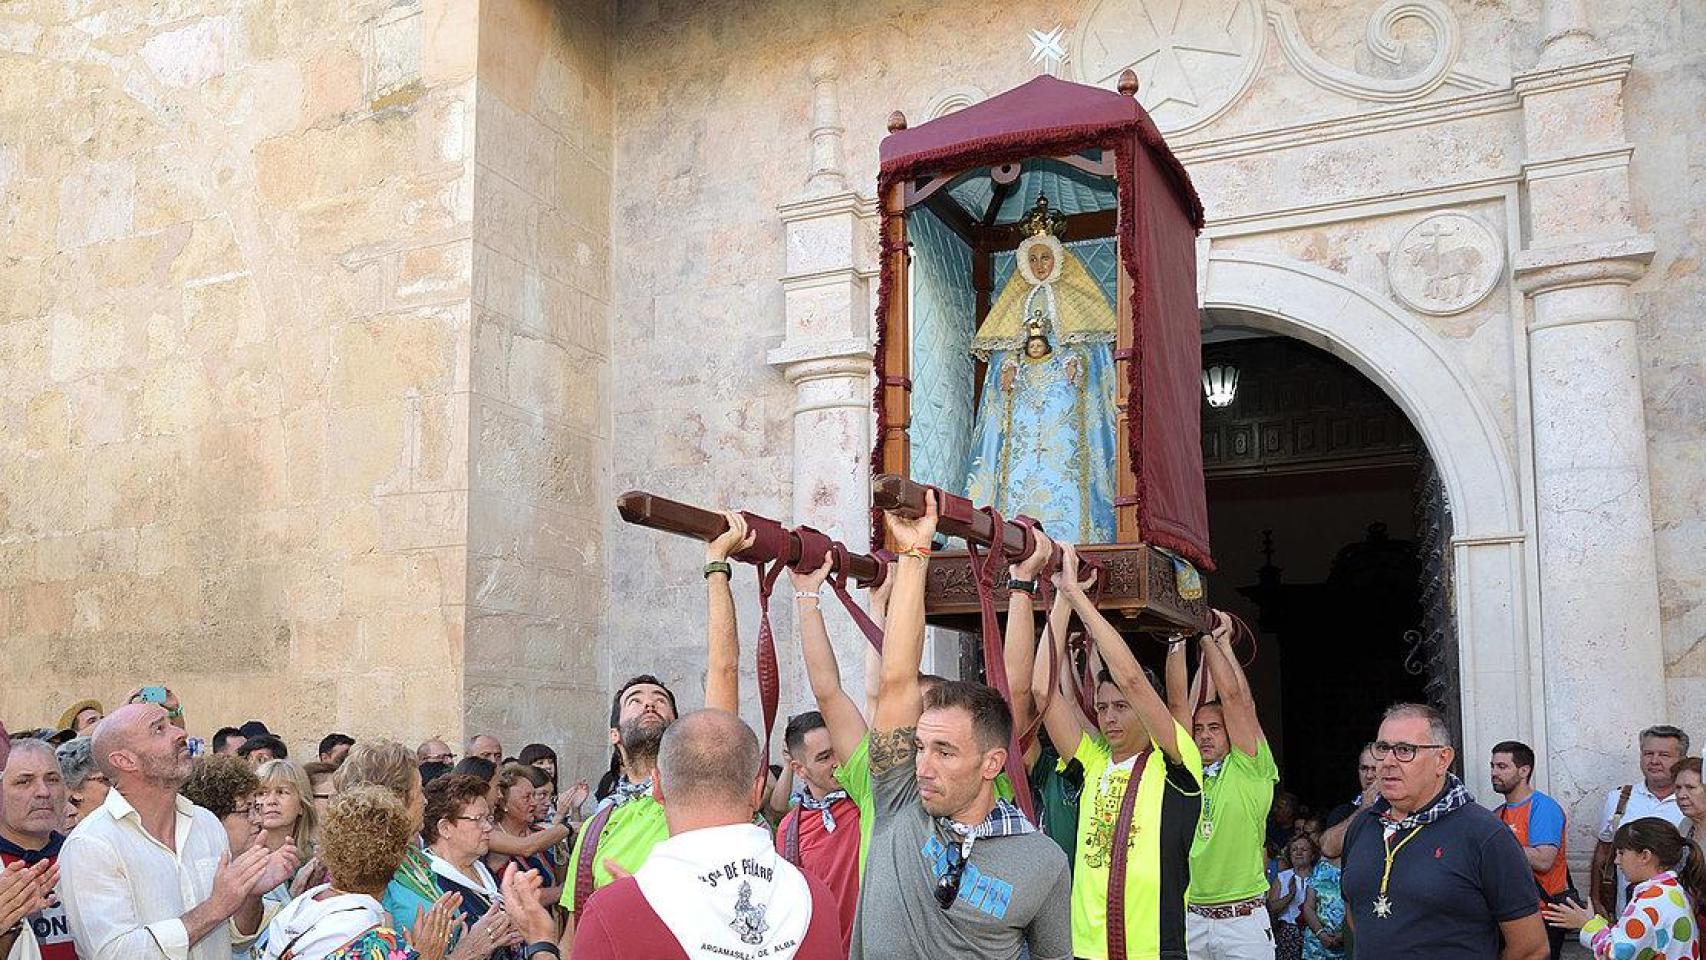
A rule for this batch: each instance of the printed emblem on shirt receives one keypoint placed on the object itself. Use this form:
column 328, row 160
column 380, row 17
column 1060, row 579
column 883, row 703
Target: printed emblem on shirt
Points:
column 749, row 917
column 1104, row 815
column 988, row 894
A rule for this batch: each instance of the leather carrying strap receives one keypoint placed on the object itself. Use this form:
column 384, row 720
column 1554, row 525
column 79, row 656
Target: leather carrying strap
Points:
column 1082, row 681
column 984, row 569
column 791, row 837
column 1117, row 859
column 589, row 855
column 838, row 578
column 1607, row 891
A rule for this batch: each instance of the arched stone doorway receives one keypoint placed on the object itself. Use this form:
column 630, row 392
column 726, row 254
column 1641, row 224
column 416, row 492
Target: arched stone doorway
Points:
column 1329, row 524
column 1490, row 565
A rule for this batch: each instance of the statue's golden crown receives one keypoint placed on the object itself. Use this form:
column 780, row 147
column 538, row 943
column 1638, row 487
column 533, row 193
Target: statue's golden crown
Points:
column 1043, row 219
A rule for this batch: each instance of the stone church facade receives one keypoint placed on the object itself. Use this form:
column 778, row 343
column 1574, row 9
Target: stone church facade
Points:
column 329, row 331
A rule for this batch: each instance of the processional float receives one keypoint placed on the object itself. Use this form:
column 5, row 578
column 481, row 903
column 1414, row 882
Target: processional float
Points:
column 1038, row 357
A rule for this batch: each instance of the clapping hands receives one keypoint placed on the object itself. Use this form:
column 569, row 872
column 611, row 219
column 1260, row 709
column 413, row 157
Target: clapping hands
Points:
column 25, row 890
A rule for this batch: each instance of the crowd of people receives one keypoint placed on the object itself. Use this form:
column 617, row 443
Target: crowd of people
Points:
column 1129, row 817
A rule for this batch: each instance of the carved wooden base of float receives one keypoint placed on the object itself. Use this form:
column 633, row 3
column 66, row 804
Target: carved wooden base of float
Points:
column 1141, row 595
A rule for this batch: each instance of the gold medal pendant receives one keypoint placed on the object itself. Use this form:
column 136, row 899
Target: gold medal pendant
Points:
column 1382, row 907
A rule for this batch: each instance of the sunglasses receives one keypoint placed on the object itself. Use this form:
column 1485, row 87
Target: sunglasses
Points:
column 948, row 887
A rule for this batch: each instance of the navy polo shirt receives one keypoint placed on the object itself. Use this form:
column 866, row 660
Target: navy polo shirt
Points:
column 1451, row 887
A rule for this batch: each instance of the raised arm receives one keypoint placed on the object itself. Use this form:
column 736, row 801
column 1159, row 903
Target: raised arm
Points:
column 534, row 843
column 873, row 659
column 1236, row 703
column 1121, row 664
column 840, row 714
column 1062, row 719
column 899, row 700
column 1019, row 653
column 722, row 636
column 1178, row 683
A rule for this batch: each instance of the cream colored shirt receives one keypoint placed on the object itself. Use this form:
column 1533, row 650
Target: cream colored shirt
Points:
column 125, row 891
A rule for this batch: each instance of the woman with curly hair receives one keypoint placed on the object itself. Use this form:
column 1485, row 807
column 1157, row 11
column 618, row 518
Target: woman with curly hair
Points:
column 224, row 785
column 366, row 835
column 389, row 764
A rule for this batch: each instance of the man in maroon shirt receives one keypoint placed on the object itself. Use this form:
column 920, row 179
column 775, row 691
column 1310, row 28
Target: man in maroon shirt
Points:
column 32, row 805
column 717, row 888
column 821, row 835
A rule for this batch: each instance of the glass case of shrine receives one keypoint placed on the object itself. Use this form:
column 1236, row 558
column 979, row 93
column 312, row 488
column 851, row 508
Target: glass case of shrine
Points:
column 1039, row 338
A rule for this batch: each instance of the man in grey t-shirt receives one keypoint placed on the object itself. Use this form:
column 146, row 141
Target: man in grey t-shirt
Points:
column 952, row 871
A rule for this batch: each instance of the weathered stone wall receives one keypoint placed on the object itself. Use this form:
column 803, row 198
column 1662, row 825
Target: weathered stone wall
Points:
column 714, row 107
column 311, row 314
column 540, row 411
column 1667, row 125
column 234, row 321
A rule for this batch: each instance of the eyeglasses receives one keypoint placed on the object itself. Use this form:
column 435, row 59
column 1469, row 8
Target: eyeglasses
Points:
column 1405, row 752
column 948, row 887
column 482, row 821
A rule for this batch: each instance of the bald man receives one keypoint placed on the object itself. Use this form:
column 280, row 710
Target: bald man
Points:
column 435, row 751
column 486, row 747
column 719, row 879
column 149, row 875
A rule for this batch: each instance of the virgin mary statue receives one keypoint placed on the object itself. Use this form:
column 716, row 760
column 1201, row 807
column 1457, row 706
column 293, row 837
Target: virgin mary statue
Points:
column 1043, row 441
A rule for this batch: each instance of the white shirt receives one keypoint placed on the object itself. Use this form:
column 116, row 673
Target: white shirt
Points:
column 1642, row 803
column 1289, row 882
column 125, row 891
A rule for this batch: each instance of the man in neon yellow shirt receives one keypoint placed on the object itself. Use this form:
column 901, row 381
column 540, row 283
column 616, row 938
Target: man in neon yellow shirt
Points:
column 1137, row 746
column 1228, row 917
column 631, row 822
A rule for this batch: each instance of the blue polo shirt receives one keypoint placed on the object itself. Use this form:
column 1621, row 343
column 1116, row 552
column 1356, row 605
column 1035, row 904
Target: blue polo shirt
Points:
column 1452, row 884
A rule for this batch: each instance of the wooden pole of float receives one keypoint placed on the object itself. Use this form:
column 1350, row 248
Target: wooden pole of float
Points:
column 682, row 519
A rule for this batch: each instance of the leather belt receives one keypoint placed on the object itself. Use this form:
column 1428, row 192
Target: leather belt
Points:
column 1230, row 911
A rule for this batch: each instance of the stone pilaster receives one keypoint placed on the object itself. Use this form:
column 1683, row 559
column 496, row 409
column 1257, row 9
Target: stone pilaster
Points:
column 1604, row 664
column 826, row 353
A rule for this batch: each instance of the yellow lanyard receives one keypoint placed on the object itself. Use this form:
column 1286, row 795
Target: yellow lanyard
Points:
column 1383, row 906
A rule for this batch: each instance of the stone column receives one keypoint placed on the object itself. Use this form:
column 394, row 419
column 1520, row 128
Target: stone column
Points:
column 826, row 354
column 1604, row 663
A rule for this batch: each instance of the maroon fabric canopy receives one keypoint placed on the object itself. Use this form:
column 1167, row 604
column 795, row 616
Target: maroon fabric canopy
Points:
column 1159, row 216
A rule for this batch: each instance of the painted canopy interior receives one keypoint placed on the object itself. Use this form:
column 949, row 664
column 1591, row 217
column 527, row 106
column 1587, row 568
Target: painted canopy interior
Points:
column 1159, row 215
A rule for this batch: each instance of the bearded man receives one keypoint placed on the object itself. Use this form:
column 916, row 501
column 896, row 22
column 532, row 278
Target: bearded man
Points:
column 149, row 875
column 630, row 820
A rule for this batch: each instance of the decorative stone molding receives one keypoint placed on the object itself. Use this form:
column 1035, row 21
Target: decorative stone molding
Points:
column 1197, row 60
column 1194, row 60
column 1492, row 575
column 1567, row 35
column 1620, row 262
column 1442, row 69
column 1445, row 264
column 954, row 98
column 1545, row 78
column 828, row 173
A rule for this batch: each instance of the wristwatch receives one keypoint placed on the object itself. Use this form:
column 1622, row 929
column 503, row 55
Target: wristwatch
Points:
column 1029, row 586
column 538, row 947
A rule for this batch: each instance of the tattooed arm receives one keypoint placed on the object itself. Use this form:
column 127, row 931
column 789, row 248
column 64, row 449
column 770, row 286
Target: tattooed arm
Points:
column 899, row 699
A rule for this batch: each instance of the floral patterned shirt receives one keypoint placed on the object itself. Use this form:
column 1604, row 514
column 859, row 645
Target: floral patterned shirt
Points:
column 380, row 943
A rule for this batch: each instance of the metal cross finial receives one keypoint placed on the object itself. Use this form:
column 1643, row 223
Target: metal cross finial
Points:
column 1048, row 48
